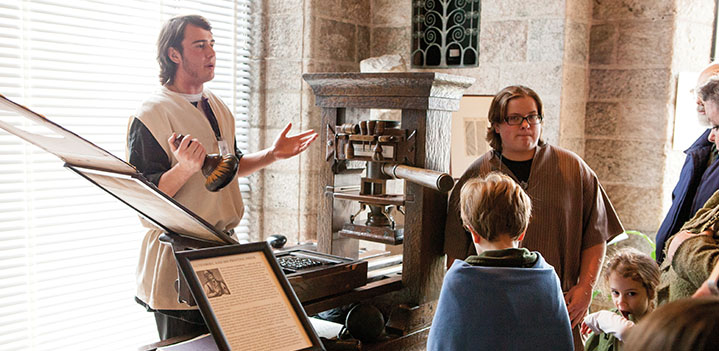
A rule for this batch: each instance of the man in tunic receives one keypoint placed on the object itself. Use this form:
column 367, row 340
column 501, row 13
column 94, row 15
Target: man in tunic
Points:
column 184, row 106
column 572, row 218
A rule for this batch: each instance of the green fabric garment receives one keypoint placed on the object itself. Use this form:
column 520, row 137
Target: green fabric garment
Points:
column 604, row 341
column 706, row 217
column 512, row 257
column 688, row 269
column 694, row 259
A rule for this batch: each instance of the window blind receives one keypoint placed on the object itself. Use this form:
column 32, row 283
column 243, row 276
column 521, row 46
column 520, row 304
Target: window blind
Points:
column 68, row 251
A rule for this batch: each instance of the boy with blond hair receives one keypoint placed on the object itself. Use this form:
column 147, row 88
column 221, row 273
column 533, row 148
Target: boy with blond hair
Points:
column 505, row 297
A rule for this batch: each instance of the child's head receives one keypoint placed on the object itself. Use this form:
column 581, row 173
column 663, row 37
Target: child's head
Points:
column 495, row 205
column 632, row 278
column 685, row 324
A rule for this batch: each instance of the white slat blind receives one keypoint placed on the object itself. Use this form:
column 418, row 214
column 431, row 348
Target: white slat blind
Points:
column 68, row 250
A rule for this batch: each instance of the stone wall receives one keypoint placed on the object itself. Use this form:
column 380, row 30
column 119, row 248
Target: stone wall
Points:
column 276, row 100
column 521, row 42
column 637, row 49
column 606, row 71
column 295, row 37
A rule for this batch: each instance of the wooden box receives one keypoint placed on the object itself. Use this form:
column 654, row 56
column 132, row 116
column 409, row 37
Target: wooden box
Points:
column 333, row 274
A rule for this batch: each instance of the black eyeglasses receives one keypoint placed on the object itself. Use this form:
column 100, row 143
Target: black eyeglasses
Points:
column 517, row 120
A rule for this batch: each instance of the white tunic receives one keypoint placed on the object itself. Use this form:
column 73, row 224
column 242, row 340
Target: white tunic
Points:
column 163, row 113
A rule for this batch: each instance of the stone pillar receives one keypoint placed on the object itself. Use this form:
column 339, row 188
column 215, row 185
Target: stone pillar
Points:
column 336, row 40
column 637, row 48
column 293, row 37
column 276, row 100
column 575, row 71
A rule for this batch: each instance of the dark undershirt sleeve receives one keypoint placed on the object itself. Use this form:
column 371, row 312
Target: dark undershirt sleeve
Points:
column 238, row 153
column 145, row 153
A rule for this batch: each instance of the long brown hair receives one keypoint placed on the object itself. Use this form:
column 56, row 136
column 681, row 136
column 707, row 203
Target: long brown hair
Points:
column 171, row 36
column 498, row 111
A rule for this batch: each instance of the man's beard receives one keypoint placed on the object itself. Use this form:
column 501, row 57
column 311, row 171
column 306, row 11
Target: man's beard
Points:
column 703, row 120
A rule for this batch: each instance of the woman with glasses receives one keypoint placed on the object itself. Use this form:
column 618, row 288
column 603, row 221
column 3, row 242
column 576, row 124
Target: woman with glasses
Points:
column 572, row 218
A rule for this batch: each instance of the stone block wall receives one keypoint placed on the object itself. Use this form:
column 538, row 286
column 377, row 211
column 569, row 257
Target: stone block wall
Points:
column 293, row 37
column 521, row 42
column 606, row 71
column 636, row 50
column 276, row 101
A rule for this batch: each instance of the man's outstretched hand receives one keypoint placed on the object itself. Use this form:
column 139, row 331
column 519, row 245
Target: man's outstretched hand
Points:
column 287, row 146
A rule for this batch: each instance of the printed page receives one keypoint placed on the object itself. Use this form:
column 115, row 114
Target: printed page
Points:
column 249, row 303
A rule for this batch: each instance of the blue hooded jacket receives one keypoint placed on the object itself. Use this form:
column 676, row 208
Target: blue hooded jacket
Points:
column 695, row 186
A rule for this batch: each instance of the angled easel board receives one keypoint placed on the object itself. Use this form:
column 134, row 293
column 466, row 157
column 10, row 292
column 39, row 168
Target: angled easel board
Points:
column 53, row 138
column 245, row 299
column 108, row 172
column 153, row 205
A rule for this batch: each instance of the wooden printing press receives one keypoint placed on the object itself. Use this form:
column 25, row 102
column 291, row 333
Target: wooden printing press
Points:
column 416, row 148
column 361, row 156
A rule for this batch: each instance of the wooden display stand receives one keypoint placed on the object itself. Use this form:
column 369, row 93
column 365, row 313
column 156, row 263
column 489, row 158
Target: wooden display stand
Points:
column 427, row 100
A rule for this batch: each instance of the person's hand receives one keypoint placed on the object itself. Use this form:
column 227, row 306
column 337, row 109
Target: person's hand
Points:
column 590, row 323
column 679, row 238
column 606, row 322
column 704, row 288
column 702, row 291
column 578, row 299
column 288, row 146
column 190, row 154
column 585, row 329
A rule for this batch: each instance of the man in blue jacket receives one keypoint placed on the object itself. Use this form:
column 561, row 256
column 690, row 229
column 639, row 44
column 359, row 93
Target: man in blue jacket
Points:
column 699, row 178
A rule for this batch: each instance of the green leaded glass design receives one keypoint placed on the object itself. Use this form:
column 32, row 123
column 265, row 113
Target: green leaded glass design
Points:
column 445, row 33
